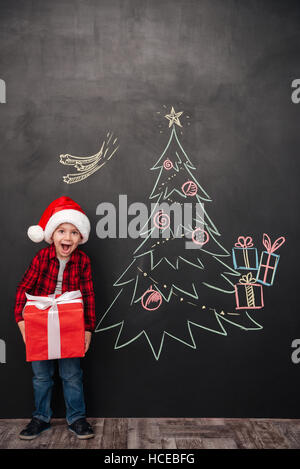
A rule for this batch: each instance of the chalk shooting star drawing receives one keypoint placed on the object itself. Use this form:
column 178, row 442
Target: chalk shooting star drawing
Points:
column 87, row 165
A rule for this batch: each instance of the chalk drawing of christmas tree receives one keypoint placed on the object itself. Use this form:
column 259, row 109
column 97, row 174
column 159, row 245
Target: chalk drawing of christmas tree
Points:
column 167, row 289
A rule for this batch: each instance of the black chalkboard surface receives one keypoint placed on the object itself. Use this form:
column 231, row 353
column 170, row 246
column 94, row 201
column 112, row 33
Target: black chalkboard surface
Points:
column 122, row 104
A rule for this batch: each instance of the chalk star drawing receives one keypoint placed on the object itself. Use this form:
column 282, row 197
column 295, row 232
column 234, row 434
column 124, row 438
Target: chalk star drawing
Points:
column 87, row 165
column 174, row 117
column 190, row 282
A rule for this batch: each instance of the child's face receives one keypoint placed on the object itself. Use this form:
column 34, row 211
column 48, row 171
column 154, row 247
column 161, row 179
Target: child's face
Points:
column 66, row 238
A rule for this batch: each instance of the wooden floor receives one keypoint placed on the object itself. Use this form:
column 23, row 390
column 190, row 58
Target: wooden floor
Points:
column 162, row 433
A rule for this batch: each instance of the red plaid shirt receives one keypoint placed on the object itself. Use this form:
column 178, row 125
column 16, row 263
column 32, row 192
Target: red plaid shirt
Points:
column 41, row 276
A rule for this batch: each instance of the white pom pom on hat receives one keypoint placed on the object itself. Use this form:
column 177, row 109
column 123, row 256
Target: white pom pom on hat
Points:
column 61, row 210
column 36, row 233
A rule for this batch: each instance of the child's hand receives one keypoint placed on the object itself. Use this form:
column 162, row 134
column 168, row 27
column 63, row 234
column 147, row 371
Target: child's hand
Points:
column 21, row 325
column 87, row 340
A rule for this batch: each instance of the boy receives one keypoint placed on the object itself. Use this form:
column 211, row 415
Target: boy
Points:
column 56, row 269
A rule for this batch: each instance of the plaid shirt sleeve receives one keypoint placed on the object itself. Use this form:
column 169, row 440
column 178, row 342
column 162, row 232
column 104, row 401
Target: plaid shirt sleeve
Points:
column 27, row 283
column 88, row 296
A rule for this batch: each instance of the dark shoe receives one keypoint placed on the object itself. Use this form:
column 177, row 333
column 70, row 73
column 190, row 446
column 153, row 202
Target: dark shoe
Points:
column 34, row 429
column 82, row 429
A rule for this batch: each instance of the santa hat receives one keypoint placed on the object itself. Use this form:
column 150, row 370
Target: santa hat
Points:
column 61, row 210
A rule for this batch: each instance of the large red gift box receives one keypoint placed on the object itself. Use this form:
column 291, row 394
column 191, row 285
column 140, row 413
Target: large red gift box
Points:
column 54, row 326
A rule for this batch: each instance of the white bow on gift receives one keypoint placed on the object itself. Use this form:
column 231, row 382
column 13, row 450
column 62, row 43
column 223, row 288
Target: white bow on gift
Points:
column 44, row 302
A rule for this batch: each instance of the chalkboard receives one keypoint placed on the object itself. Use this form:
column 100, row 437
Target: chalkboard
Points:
column 110, row 102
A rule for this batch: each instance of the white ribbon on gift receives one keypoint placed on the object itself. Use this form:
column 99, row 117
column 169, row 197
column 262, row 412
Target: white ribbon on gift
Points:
column 44, row 302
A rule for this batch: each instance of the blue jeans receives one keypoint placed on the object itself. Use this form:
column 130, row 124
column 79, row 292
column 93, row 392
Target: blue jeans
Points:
column 71, row 375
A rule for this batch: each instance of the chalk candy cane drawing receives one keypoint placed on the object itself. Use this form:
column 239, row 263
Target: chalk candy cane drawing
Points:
column 87, row 165
column 158, row 279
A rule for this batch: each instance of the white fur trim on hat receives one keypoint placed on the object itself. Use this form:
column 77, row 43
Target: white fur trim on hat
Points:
column 77, row 218
column 35, row 233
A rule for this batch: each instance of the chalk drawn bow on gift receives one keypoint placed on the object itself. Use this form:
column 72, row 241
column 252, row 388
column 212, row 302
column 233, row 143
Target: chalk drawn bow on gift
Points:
column 269, row 261
column 244, row 242
column 87, row 165
column 272, row 247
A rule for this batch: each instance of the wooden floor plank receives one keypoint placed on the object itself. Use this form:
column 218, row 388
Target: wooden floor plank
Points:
column 133, row 434
column 149, row 434
column 114, row 433
column 218, row 443
column 168, row 443
column 189, row 443
column 62, row 437
column 270, row 436
column 207, row 431
column 289, row 434
column 245, row 435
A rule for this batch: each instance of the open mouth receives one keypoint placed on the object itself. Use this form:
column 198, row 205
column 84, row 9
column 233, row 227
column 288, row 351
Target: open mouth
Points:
column 66, row 247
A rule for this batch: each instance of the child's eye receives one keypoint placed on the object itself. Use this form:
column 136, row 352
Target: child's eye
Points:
column 75, row 232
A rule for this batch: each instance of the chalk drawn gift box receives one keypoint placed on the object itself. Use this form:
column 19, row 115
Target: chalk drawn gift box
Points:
column 269, row 261
column 248, row 294
column 54, row 326
column 244, row 255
